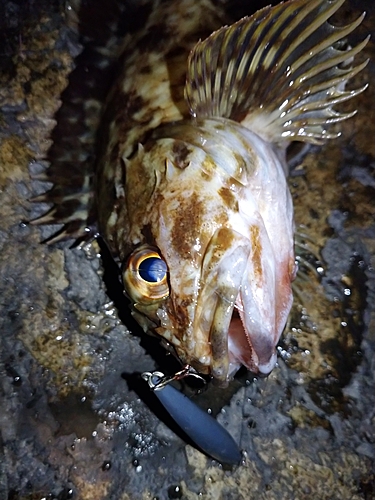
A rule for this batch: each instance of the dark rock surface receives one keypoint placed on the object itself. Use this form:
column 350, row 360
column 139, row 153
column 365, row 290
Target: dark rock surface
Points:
column 76, row 423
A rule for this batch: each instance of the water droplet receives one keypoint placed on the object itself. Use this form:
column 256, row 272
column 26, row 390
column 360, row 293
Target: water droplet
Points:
column 65, row 494
column 106, row 465
column 174, row 492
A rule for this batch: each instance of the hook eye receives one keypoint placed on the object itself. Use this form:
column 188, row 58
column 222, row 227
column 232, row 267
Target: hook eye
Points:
column 157, row 380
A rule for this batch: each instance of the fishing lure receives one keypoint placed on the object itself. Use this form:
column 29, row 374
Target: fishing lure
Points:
column 203, row 429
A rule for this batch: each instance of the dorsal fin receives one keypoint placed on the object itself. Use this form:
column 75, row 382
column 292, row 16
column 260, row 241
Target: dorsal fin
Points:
column 278, row 72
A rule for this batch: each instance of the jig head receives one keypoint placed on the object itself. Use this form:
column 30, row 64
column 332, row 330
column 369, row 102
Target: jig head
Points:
column 203, row 429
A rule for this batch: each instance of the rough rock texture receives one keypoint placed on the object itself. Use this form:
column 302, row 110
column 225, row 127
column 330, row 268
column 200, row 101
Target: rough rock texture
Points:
column 76, row 422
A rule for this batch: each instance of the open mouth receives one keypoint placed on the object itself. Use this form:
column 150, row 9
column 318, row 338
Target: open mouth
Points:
column 255, row 351
column 239, row 345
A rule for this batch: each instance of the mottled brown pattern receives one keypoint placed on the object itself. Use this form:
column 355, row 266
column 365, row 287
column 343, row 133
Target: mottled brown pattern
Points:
column 209, row 169
column 301, row 436
column 180, row 314
column 222, row 240
column 176, row 64
column 181, row 153
column 129, row 104
column 256, row 248
column 229, row 198
column 242, row 166
column 186, row 221
column 226, row 237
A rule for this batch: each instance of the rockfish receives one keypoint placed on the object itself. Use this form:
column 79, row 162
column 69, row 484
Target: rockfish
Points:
column 190, row 189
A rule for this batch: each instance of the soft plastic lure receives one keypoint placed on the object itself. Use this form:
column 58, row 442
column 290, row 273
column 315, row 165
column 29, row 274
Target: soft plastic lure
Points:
column 204, row 430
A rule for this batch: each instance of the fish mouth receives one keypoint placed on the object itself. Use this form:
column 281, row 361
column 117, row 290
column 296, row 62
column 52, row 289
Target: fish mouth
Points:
column 255, row 350
column 231, row 320
column 222, row 342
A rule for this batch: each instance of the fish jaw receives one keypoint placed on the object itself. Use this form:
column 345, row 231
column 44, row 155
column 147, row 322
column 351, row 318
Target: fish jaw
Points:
column 236, row 317
column 263, row 305
column 252, row 310
column 252, row 339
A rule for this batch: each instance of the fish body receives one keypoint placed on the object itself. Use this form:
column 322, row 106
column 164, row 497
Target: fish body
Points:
column 190, row 185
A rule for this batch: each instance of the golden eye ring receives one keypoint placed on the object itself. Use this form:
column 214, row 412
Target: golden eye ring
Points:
column 145, row 275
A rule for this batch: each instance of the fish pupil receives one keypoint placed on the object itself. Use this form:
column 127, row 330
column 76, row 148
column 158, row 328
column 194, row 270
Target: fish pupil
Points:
column 152, row 269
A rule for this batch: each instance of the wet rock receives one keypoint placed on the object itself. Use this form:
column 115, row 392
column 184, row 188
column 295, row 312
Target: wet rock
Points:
column 76, row 421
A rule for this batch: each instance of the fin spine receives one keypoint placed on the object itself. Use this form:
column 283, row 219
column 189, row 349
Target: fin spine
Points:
column 282, row 66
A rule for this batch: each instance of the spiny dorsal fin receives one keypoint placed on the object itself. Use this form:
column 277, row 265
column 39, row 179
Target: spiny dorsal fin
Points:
column 278, row 72
column 71, row 197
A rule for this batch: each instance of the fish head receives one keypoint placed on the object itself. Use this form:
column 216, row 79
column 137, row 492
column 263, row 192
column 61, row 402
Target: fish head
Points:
column 201, row 270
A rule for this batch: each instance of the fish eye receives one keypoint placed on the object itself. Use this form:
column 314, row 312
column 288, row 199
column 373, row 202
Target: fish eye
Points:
column 145, row 275
column 152, row 269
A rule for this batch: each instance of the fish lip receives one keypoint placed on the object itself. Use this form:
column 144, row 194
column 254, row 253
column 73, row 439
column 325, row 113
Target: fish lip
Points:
column 257, row 361
column 266, row 368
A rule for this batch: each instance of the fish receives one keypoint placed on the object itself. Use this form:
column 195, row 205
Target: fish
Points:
column 190, row 190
